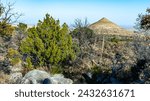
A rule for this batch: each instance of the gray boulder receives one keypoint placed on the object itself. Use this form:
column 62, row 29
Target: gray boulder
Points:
column 42, row 77
column 59, row 79
column 35, row 77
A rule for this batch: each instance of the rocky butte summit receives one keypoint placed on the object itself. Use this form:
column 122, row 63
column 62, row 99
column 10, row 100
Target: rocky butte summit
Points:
column 104, row 26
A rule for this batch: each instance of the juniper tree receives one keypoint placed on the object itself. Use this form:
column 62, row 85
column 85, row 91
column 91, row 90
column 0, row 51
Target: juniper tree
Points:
column 48, row 43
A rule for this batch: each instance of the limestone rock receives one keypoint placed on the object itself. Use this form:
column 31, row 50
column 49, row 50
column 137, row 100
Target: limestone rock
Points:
column 4, row 78
column 2, row 58
column 42, row 77
column 59, row 79
column 15, row 78
column 16, row 68
column 35, row 77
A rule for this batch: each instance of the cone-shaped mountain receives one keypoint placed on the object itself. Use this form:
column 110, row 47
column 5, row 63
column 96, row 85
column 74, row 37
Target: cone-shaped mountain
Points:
column 105, row 26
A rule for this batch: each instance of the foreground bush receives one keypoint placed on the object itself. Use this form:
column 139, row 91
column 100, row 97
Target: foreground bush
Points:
column 47, row 44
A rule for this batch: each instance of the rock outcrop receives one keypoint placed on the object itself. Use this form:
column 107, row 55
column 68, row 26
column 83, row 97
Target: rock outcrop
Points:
column 16, row 73
column 15, row 78
column 42, row 77
column 59, row 79
column 35, row 77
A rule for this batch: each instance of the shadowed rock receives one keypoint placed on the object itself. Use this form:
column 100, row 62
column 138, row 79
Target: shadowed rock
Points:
column 47, row 81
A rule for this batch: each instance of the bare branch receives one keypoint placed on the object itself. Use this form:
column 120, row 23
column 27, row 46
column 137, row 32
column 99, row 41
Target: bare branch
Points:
column 7, row 15
column 79, row 24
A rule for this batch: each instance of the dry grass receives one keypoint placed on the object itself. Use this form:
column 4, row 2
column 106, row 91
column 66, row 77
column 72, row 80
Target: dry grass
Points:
column 4, row 78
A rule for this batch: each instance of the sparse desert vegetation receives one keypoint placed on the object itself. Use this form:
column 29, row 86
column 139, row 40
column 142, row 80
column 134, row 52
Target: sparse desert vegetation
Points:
column 98, row 53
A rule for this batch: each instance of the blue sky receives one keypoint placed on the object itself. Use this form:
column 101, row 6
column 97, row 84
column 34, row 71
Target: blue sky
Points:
column 122, row 12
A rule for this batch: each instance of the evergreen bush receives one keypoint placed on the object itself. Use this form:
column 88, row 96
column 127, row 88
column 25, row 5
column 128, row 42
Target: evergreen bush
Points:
column 48, row 43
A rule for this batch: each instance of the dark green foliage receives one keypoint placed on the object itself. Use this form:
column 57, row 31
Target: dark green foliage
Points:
column 13, row 56
column 56, row 69
column 22, row 27
column 6, row 30
column 143, row 21
column 21, row 33
column 83, row 34
column 28, row 64
column 115, row 39
column 48, row 43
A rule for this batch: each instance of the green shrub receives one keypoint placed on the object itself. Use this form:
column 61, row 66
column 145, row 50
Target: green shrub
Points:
column 28, row 64
column 22, row 27
column 83, row 34
column 13, row 56
column 6, row 30
column 96, row 69
column 115, row 39
column 11, row 53
column 56, row 70
column 15, row 61
column 99, row 69
column 48, row 43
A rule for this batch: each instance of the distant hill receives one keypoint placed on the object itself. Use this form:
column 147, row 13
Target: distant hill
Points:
column 104, row 26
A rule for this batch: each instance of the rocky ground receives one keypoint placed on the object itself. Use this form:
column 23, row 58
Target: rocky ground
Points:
column 105, row 60
column 115, row 63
